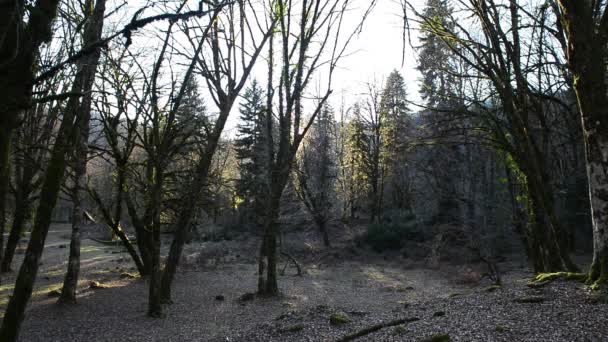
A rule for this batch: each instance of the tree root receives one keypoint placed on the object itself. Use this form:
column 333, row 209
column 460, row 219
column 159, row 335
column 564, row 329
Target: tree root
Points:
column 545, row 278
column 596, row 284
column 375, row 328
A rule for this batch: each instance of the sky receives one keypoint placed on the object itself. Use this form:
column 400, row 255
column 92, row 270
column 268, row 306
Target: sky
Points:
column 372, row 56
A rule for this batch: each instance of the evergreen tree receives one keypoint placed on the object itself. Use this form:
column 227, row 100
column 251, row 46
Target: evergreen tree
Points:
column 394, row 114
column 395, row 129
column 316, row 173
column 436, row 60
column 440, row 90
column 251, row 149
column 354, row 164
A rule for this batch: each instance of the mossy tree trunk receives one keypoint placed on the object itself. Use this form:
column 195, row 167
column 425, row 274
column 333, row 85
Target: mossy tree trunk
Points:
column 586, row 29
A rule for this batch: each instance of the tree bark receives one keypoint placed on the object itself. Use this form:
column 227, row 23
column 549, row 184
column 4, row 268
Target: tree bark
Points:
column 87, row 67
column 16, row 81
column 22, row 214
column 5, row 148
column 587, row 53
column 155, row 298
column 24, row 284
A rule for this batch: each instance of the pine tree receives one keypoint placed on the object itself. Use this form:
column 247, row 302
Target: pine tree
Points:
column 440, row 90
column 394, row 114
column 316, row 173
column 436, row 58
column 250, row 147
column 395, row 129
column 355, row 161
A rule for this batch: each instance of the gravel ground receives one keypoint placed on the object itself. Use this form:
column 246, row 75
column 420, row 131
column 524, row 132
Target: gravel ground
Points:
column 367, row 294
column 366, row 288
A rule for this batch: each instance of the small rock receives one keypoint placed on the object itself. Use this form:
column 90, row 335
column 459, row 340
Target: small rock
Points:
column 339, row 318
column 438, row 338
column 500, row 329
column 127, row 275
column 246, row 297
column 219, row 297
column 97, row 285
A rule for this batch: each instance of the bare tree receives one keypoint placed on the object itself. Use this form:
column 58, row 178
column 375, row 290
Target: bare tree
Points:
column 317, row 25
column 86, row 69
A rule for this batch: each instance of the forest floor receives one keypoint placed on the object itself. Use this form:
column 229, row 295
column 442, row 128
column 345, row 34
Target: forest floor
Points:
column 362, row 288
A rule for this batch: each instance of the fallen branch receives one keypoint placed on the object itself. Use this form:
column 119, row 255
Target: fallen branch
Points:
column 295, row 262
column 375, row 328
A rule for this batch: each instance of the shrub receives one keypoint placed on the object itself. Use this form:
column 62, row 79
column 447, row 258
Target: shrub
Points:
column 392, row 231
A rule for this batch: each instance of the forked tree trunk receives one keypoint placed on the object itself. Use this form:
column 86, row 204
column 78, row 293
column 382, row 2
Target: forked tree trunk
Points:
column 113, row 222
column 144, row 240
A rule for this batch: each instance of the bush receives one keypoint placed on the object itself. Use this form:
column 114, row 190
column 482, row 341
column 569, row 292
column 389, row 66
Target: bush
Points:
column 392, row 232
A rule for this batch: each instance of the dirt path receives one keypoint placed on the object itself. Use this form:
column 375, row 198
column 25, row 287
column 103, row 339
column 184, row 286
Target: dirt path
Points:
column 99, row 262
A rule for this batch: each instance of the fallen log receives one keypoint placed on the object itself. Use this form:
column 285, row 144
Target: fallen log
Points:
column 375, row 328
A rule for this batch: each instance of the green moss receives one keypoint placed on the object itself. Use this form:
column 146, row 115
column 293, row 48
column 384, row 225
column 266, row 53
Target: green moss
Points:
column 339, row 318
column 400, row 329
column 599, row 283
column 547, row 277
column 294, row 328
column 598, row 274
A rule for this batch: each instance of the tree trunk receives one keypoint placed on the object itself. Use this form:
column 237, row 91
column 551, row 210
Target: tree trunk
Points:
column 5, row 150
column 24, row 284
column 22, row 214
column 70, row 281
column 182, row 229
column 587, row 53
column 87, row 67
column 144, row 240
column 322, row 224
column 597, row 166
column 154, row 299
column 267, row 268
